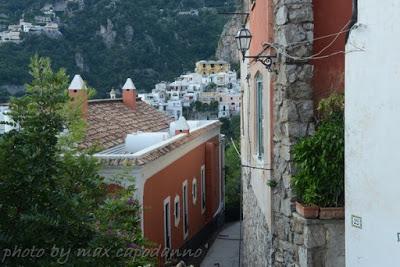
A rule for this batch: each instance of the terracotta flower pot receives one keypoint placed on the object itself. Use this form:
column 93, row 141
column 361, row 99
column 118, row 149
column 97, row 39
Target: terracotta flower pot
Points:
column 331, row 213
column 308, row 212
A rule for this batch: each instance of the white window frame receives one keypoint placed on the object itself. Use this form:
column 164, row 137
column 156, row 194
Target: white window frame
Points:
column 194, row 191
column 177, row 212
column 185, row 209
column 221, row 171
column 259, row 116
column 167, row 201
column 203, row 189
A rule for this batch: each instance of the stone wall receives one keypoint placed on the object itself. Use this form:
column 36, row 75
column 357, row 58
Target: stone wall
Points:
column 316, row 243
column 292, row 240
column 293, row 113
column 296, row 241
column 257, row 239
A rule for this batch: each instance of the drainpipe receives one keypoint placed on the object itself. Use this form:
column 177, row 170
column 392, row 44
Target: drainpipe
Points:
column 354, row 18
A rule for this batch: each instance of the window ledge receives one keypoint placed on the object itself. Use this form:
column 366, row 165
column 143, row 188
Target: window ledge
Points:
column 260, row 162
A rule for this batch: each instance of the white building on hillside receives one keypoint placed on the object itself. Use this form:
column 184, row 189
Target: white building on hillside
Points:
column 10, row 36
column 3, row 117
column 174, row 109
column 188, row 88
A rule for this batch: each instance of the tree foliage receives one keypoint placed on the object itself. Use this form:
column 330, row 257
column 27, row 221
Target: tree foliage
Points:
column 320, row 158
column 232, row 181
column 231, row 129
column 51, row 193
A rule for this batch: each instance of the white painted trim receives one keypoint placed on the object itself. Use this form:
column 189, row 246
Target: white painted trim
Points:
column 164, row 161
column 220, row 207
column 185, row 208
column 167, row 201
column 147, row 150
column 142, row 152
column 203, row 189
column 195, row 190
column 177, row 219
column 221, row 161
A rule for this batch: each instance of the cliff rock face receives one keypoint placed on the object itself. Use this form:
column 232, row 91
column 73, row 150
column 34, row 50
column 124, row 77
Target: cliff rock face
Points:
column 227, row 48
column 108, row 34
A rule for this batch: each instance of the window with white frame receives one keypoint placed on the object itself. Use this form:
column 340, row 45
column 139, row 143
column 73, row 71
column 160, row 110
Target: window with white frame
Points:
column 203, row 189
column 177, row 211
column 194, row 191
column 185, row 209
column 259, row 116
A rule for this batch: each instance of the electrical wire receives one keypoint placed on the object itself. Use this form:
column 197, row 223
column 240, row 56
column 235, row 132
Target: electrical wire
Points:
column 256, row 168
column 247, row 166
column 234, row 146
column 338, row 53
column 319, row 38
column 282, row 50
column 337, row 35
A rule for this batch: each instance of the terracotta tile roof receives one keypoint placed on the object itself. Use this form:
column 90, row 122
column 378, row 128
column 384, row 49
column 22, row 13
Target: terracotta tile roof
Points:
column 109, row 121
column 159, row 152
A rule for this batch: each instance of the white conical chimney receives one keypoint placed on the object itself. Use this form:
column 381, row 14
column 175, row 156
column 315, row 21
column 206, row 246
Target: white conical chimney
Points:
column 129, row 94
column 181, row 126
column 78, row 94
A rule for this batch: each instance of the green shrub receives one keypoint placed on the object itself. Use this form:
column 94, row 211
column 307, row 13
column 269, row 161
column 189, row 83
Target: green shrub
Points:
column 319, row 158
column 51, row 193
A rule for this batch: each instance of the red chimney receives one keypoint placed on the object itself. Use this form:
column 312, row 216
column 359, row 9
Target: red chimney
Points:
column 129, row 94
column 78, row 94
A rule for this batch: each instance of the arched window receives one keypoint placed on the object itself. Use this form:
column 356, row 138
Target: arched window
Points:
column 259, row 115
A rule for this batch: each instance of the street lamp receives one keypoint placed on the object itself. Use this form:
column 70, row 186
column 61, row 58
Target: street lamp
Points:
column 243, row 39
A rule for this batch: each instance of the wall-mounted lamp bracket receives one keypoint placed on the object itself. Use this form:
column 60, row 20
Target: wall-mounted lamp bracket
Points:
column 267, row 61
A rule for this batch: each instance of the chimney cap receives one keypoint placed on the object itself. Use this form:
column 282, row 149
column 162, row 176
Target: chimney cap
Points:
column 113, row 93
column 129, row 85
column 77, row 83
column 182, row 125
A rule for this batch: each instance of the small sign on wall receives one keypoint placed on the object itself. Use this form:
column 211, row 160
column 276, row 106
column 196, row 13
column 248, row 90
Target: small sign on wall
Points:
column 356, row 221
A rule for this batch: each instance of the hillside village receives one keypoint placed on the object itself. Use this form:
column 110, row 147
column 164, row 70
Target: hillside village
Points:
column 149, row 178
column 213, row 82
column 44, row 21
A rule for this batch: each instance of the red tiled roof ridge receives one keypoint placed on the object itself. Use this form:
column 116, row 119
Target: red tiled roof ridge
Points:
column 109, row 121
column 160, row 151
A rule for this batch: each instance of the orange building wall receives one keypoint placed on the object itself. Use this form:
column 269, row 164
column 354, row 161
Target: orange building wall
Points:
column 261, row 25
column 329, row 17
column 168, row 182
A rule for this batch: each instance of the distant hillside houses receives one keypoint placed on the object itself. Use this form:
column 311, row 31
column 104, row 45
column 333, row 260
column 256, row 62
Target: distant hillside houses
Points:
column 3, row 117
column 213, row 83
column 45, row 23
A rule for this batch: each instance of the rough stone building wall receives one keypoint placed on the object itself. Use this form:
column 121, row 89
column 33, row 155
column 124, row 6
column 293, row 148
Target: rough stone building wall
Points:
column 293, row 113
column 296, row 241
column 292, row 240
column 257, row 238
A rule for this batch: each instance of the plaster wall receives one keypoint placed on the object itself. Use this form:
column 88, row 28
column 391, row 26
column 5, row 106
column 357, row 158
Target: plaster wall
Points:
column 372, row 132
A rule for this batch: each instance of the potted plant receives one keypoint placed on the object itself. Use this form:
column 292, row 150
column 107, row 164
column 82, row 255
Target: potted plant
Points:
column 306, row 197
column 320, row 162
